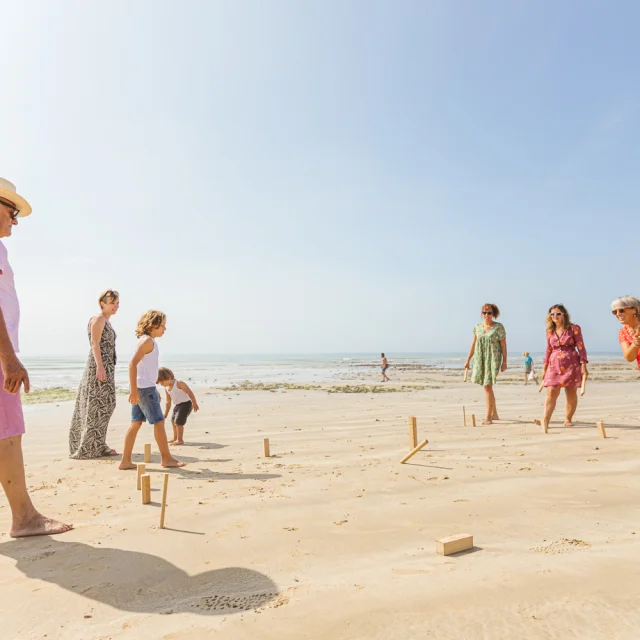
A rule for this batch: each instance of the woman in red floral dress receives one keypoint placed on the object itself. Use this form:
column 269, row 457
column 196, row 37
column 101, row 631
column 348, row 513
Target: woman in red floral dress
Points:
column 565, row 363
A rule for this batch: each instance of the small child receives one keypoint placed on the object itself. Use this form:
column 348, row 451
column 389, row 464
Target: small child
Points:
column 528, row 366
column 183, row 400
column 143, row 395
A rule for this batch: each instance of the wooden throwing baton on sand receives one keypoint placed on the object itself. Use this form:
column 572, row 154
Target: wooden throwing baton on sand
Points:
column 424, row 443
column 466, row 373
column 541, row 387
column 165, row 486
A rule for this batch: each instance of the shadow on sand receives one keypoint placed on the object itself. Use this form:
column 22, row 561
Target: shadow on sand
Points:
column 139, row 582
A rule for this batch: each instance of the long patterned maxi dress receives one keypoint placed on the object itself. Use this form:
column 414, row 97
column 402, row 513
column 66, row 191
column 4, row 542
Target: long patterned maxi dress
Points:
column 487, row 357
column 95, row 403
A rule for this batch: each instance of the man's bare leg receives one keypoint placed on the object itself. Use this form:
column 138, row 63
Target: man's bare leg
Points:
column 129, row 442
column 26, row 520
column 161, row 439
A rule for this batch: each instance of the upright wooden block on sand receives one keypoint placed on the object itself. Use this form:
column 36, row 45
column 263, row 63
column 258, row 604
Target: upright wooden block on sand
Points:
column 146, row 488
column 454, row 544
column 413, row 432
column 147, row 453
column 473, row 419
column 267, row 450
column 603, row 433
column 165, row 486
column 464, row 416
column 141, row 468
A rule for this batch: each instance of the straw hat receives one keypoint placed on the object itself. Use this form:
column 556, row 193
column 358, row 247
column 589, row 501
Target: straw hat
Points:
column 8, row 192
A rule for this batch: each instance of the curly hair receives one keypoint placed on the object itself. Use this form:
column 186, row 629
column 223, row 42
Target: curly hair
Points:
column 164, row 375
column 495, row 312
column 150, row 320
column 551, row 325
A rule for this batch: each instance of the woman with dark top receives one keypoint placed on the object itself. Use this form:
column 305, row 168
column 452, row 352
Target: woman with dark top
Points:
column 96, row 400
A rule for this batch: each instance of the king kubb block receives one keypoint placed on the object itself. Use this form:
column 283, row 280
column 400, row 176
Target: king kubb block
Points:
column 454, row 544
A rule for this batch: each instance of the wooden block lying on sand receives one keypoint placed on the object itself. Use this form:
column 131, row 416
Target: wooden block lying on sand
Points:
column 454, row 544
column 424, row 443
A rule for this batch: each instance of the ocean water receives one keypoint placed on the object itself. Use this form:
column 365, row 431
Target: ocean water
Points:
column 223, row 370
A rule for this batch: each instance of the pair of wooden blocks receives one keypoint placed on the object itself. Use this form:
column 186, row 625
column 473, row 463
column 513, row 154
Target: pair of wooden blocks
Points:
column 143, row 484
column 413, row 439
column 464, row 418
column 599, row 424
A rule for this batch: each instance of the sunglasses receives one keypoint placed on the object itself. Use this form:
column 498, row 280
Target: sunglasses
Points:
column 13, row 212
column 617, row 311
column 555, row 315
column 487, row 313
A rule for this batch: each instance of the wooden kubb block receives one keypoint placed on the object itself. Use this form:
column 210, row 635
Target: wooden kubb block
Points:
column 454, row 544
column 413, row 432
column 146, row 488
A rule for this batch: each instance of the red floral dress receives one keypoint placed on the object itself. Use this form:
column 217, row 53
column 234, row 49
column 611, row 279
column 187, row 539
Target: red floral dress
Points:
column 626, row 334
column 564, row 356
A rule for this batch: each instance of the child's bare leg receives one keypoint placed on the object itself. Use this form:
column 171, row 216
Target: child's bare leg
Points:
column 129, row 442
column 161, row 439
column 175, row 433
column 180, row 428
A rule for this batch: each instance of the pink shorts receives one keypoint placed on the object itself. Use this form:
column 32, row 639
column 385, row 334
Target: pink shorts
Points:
column 11, row 418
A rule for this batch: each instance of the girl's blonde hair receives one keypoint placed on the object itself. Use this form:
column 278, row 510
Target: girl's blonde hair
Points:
column 525, row 354
column 150, row 320
column 109, row 296
column 551, row 325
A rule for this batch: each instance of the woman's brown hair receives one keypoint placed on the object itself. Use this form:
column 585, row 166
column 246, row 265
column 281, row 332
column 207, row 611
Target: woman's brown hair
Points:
column 150, row 320
column 551, row 325
column 495, row 312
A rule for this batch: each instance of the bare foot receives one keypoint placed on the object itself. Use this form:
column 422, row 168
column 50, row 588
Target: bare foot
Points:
column 173, row 463
column 568, row 423
column 177, row 442
column 487, row 421
column 495, row 417
column 126, row 466
column 38, row 525
column 171, row 441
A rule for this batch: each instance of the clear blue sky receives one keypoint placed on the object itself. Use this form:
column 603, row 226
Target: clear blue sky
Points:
column 321, row 175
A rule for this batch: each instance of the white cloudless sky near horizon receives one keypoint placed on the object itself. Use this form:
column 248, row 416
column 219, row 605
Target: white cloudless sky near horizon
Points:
column 321, row 176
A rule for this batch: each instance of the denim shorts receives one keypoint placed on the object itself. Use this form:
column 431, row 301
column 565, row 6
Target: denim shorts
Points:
column 148, row 408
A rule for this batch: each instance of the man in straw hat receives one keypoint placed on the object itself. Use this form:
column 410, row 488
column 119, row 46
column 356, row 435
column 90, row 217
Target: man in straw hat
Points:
column 26, row 520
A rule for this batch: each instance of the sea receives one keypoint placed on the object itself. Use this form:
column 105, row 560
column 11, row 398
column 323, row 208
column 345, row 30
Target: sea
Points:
column 226, row 370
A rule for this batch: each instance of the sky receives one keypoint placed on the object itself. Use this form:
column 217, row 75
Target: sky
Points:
column 321, row 176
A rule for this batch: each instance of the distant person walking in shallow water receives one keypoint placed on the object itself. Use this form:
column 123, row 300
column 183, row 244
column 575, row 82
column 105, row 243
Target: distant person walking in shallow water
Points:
column 489, row 353
column 528, row 366
column 565, row 363
column 26, row 521
column 384, row 366
column 627, row 310
column 96, row 400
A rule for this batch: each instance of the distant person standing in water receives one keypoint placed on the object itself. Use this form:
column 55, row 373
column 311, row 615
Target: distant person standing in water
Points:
column 489, row 353
column 384, row 367
column 96, row 399
column 528, row 366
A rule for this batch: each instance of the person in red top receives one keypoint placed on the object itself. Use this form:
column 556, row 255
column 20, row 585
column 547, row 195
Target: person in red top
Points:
column 627, row 310
column 565, row 363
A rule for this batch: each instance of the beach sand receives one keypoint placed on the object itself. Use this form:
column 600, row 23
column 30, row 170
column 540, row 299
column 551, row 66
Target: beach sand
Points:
column 331, row 537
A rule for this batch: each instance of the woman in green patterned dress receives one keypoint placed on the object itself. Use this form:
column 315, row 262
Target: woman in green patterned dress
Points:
column 489, row 353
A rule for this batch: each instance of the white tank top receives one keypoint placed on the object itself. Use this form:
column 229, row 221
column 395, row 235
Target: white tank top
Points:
column 178, row 396
column 148, row 369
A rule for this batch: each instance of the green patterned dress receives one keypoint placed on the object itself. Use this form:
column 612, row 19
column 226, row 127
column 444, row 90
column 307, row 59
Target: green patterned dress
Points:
column 487, row 358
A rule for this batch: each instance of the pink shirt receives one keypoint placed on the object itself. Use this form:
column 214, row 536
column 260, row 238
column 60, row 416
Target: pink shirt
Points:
column 626, row 335
column 9, row 298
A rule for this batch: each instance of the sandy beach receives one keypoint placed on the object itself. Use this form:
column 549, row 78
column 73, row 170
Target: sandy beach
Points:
column 331, row 537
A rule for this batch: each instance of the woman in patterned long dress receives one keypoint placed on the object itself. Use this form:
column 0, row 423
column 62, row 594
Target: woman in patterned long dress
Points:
column 565, row 363
column 627, row 310
column 96, row 400
column 489, row 353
